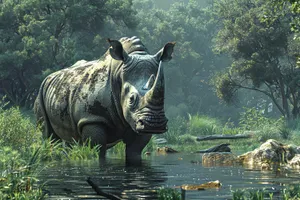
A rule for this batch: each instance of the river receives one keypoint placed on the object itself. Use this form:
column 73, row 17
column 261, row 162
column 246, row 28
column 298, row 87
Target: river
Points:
column 67, row 180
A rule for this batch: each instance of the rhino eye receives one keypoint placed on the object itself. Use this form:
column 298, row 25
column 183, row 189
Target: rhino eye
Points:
column 133, row 99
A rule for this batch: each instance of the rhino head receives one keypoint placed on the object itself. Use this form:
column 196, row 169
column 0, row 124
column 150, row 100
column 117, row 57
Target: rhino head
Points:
column 143, row 87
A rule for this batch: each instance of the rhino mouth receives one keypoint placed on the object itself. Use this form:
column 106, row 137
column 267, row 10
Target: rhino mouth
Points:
column 152, row 124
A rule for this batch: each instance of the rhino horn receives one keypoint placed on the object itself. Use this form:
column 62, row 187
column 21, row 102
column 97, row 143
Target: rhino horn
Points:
column 155, row 96
column 149, row 83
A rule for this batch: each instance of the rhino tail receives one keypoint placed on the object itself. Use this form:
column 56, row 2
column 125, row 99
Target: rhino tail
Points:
column 42, row 118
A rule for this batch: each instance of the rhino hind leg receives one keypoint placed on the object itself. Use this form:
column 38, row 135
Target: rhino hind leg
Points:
column 97, row 134
column 43, row 121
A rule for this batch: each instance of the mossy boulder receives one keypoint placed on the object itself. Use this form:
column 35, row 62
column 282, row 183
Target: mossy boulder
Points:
column 295, row 162
column 269, row 155
column 218, row 159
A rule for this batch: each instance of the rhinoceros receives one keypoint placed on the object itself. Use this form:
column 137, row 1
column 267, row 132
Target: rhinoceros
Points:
column 119, row 97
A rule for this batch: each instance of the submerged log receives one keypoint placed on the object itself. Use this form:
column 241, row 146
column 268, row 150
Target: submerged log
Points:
column 100, row 192
column 217, row 148
column 218, row 137
column 165, row 150
column 208, row 185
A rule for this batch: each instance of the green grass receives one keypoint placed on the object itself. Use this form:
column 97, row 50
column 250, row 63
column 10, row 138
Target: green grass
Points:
column 117, row 151
column 18, row 175
column 85, row 151
column 203, row 125
column 289, row 193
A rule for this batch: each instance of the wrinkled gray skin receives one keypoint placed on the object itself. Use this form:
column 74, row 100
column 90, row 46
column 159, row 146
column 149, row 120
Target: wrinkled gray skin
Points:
column 119, row 97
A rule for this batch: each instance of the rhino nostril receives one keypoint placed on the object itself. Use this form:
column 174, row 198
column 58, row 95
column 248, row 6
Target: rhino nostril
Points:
column 140, row 122
column 140, row 125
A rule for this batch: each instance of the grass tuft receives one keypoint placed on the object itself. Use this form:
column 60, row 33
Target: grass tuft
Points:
column 168, row 194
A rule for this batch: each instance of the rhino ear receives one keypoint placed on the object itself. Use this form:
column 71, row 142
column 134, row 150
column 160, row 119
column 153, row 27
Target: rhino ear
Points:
column 116, row 50
column 165, row 54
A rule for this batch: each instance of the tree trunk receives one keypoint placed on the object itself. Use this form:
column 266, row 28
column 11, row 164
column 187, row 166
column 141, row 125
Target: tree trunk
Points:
column 218, row 137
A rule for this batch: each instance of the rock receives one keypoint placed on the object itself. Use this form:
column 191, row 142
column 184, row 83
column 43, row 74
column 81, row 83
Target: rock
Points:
column 218, row 159
column 270, row 154
column 298, row 150
column 295, row 162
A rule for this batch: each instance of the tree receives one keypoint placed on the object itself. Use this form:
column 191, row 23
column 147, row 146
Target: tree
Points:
column 40, row 36
column 263, row 53
column 295, row 17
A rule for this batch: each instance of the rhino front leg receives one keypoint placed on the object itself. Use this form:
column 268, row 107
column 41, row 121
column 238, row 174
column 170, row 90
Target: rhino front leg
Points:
column 134, row 148
column 97, row 135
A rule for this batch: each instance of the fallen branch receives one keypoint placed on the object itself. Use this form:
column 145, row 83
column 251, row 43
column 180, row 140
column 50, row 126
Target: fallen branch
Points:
column 217, row 148
column 221, row 137
column 100, row 192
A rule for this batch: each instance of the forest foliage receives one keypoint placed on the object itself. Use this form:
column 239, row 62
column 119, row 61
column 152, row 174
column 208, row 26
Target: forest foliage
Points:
column 258, row 37
column 219, row 50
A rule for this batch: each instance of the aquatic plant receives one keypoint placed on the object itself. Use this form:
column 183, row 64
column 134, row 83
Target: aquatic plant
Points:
column 288, row 193
column 18, row 176
column 250, row 195
column 84, row 151
column 118, row 150
column 52, row 150
column 238, row 194
column 168, row 194
column 291, row 193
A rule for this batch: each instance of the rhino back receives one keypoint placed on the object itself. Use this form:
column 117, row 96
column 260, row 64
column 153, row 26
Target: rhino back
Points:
column 78, row 94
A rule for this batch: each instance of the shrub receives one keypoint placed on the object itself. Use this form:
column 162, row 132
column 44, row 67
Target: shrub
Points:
column 294, row 124
column 186, row 139
column 16, row 130
column 253, row 119
column 285, row 132
column 177, row 126
column 267, row 132
column 204, row 125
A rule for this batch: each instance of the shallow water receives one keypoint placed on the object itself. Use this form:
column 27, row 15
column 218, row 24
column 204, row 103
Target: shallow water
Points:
column 68, row 180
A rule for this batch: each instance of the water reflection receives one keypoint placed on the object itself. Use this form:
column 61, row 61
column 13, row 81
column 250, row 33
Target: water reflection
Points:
column 68, row 180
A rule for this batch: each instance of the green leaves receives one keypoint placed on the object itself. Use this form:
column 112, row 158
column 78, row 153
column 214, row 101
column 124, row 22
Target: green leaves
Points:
column 40, row 35
column 256, row 34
